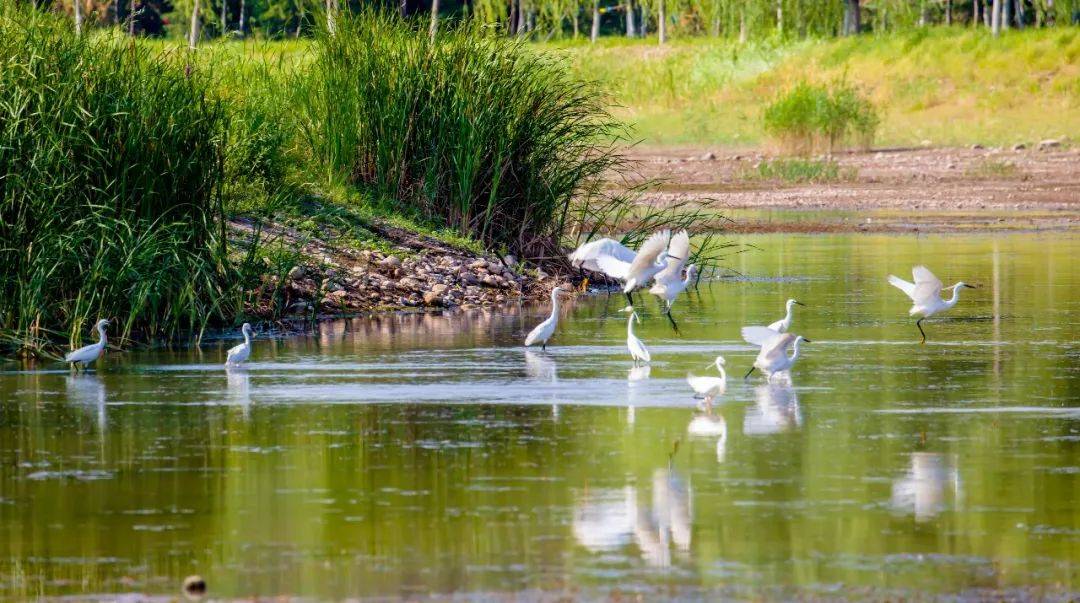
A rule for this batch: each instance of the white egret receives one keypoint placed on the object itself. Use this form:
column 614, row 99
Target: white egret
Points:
column 782, row 325
column 585, row 256
column 89, row 353
column 925, row 293
column 710, row 387
column 543, row 331
column 773, row 357
column 649, row 260
column 239, row 354
column 669, row 282
column 637, row 349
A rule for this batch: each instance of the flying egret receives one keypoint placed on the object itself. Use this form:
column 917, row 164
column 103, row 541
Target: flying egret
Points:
column 649, row 260
column 773, row 357
column 89, row 353
column 782, row 325
column 710, row 387
column 925, row 293
column 669, row 282
column 637, row 349
column 543, row 331
column 240, row 353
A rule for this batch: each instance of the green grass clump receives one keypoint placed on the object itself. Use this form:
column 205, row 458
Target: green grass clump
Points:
column 992, row 168
column 111, row 167
column 799, row 171
column 811, row 117
column 469, row 130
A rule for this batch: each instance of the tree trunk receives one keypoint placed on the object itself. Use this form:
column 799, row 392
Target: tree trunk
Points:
column 1019, row 12
column 948, row 12
column 193, row 35
column 512, row 25
column 630, row 33
column 224, row 21
column 521, row 23
column 242, row 9
column 1006, row 13
column 742, row 25
column 924, row 14
column 661, row 22
column 852, row 18
column 975, row 13
column 643, row 29
column 595, row 32
column 434, row 27
column 299, row 18
column 131, row 19
column 987, row 10
column 995, row 18
column 780, row 16
column 403, row 8
column 78, row 17
column 577, row 25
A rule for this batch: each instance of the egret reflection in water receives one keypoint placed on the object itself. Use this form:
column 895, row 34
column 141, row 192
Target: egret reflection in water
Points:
column 775, row 410
column 710, row 424
column 238, row 383
column 88, row 393
column 927, row 486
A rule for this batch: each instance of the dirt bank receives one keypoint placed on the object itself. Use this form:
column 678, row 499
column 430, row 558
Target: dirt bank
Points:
column 886, row 190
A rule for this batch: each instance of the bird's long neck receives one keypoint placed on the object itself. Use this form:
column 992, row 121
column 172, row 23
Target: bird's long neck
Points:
column 247, row 337
column 723, row 373
column 787, row 317
column 955, row 297
column 795, row 354
column 630, row 324
column 102, row 340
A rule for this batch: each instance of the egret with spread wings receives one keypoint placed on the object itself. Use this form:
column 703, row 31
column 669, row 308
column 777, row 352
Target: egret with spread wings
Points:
column 669, row 282
column 613, row 260
column 925, row 294
column 773, row 357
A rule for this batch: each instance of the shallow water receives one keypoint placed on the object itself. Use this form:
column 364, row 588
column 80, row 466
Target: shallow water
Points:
column 413, row 455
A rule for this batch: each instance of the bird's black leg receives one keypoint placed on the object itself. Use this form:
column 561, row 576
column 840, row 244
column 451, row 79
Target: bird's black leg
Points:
column 543, row 347
column 674, row 325
column 629, row 300
column 918, row 323
column 747, row 375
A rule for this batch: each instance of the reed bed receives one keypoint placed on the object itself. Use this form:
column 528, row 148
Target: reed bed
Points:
column 111, row 164
column 470, row 130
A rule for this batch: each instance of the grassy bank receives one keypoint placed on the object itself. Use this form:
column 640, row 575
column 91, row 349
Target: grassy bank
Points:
column 949, row 86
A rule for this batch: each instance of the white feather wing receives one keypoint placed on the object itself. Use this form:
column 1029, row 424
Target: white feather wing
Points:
column 542, row 332
column 704, row 385
column 927, row 286
column 901, row 284
column 678, row 253
column 759, row 336
column 586, row 255
column 84, row 354
column 650, row 249
column 613, row 267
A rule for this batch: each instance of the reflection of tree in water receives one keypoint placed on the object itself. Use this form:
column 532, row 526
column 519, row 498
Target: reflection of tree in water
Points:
column 609, row 519
column 776, row 410
column 927, row 485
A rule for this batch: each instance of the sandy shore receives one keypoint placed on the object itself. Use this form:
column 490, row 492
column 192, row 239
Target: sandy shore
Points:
column 885, row 190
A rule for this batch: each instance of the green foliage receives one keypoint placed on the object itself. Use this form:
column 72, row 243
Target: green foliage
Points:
column 468, row 130
column 796, row 170
column 809, row 117
column 993, row 168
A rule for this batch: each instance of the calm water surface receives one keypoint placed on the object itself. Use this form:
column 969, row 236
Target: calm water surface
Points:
column 418, row 455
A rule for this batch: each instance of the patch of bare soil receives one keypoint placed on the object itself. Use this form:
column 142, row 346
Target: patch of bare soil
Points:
column 888, row 190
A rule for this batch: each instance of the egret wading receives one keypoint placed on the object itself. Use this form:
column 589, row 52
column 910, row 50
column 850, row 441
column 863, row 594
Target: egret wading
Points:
column 543, row 331
column 637, row 349
column 239, row 354
column 710, row 387
column 89, row 353
column 773, row 357
column 669, row 282
column 925, row 294
column 782, row 325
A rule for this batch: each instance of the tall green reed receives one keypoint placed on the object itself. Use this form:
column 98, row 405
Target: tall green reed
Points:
column 111, row 165
column 468, row 130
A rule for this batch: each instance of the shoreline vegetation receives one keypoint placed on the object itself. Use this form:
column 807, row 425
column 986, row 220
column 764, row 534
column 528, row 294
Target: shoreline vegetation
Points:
column 386, row 165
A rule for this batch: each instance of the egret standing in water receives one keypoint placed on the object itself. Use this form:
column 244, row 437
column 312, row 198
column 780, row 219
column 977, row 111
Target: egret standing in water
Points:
column 239, row 354
column 782, row 325
column 773, row 357
column 710, row 387
column 89, row 353
column 543, row 331
column 669, row 282
column 637, row 349
column 925, row 293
